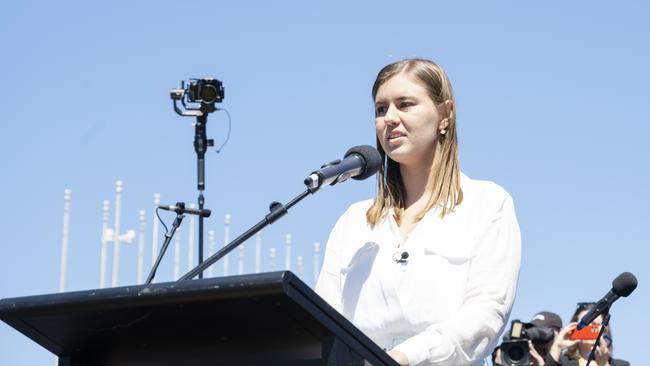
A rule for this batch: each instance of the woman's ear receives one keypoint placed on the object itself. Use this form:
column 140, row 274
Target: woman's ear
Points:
column 449, row 109
column 447, row 113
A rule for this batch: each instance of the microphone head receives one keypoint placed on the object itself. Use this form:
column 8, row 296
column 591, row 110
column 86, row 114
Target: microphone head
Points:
column 624, row 284
column 371, row 158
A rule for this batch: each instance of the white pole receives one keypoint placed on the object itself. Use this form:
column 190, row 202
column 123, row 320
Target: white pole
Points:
column 272, row 259
column 142, row 218
column 190, row 242
column 67, row 196
column 316, row 261
column 300, row 266
column 211, row 248
column 258, row 252
column 177, row 254
column 240, row 260
column 287, row 252
column 226, row 240
column 116, row 232
column 104, row 244
column 154, row 234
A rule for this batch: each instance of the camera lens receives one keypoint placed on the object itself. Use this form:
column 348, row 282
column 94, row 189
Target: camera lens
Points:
column 208, row 93
column 516, row 354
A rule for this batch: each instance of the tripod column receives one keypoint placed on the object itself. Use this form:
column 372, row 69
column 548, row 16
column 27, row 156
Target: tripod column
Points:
column 201, row 144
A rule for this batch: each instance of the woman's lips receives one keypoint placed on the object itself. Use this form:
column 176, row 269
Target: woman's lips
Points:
column 395, row 135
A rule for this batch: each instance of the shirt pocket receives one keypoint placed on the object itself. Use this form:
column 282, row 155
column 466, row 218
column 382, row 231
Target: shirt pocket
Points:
column 456, row 251
column 442, row 273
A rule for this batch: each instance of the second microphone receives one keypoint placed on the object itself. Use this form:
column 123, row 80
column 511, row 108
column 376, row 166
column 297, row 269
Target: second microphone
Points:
column 180, row 209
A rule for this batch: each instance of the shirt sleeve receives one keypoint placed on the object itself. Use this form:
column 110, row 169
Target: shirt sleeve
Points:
column 328, row 285
column 467, row 336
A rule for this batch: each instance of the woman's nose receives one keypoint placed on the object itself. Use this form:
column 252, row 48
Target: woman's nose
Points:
column 391, row 117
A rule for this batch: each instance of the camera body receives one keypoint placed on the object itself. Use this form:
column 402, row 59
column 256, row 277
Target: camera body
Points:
column 514, row 348
column 206, row 91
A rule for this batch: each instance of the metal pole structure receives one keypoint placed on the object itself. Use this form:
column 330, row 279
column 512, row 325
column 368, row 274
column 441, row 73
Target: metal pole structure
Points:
column 300, row 266
column 211, row 248
column 154, row 234
column 287, row 252
column 190, row 241
column 104, row 243
column 116, row 232
column 67, row 196
column 226, row 240
column 240, row 260
column 177, row 254
column 272, row 259
column 258, row 252
column 142, row 220
column 316, row 261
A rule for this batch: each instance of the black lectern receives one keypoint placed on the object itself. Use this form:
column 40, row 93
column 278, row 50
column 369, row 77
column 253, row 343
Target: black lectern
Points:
column 260, row 319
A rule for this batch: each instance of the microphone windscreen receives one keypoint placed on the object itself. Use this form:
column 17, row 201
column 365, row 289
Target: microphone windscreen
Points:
column 624, row 284
column 371, row 157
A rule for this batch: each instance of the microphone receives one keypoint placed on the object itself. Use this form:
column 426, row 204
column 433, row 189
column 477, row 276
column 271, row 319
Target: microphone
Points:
column 623, row 285
column 180, row 209
column 360, row 162
column 403, row 257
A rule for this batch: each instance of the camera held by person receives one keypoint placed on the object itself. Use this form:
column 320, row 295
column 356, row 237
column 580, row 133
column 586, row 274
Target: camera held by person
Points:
column 528, row 343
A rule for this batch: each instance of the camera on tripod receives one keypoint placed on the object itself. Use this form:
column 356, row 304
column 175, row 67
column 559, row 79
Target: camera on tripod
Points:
column 514, row 348
column 206, row 92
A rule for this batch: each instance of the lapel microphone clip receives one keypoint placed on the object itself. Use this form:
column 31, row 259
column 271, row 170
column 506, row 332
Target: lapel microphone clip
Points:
column 401, row 257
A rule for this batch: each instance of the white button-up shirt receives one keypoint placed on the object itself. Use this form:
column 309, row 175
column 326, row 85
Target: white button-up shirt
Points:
column 449, row 300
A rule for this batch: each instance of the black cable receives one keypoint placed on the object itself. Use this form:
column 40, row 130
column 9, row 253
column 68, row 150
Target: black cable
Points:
column 161, row 221
column 229, row 129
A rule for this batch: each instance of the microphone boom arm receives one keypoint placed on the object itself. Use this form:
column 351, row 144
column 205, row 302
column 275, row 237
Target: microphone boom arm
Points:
column 277, row 211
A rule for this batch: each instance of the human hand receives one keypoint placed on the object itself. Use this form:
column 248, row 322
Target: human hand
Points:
column 399, row 357
column 535, row 358
column 603, row 353
column 562, row 341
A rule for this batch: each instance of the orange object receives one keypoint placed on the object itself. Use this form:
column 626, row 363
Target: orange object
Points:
column 587, row 333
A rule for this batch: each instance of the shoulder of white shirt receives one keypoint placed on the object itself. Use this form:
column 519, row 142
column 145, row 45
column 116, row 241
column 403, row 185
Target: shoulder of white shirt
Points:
column 483, row 191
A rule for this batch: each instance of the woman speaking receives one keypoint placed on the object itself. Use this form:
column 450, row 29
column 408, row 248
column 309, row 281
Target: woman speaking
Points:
column 428, row 268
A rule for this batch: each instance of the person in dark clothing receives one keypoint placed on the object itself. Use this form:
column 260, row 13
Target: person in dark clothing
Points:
column 577, row 351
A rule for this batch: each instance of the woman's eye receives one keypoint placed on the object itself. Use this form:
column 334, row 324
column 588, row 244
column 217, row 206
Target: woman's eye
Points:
column 405, row 105
column 380, row 110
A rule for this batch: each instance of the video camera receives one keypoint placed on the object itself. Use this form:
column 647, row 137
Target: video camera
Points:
column 514, row 348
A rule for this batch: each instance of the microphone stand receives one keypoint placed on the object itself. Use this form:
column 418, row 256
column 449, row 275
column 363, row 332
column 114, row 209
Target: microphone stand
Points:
column 605, row 323
column 277, row 211
column 168, row 239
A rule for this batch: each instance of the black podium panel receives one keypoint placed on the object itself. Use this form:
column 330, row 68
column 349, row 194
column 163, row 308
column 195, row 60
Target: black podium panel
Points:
column 261, row 319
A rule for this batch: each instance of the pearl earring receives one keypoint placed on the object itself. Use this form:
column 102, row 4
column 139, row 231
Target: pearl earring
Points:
column 443, row 131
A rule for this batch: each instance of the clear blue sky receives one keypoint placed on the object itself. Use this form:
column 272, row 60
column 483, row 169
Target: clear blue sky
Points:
column 551, row 101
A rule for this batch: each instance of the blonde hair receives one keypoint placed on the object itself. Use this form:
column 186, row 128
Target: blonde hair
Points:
column 444, row 180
